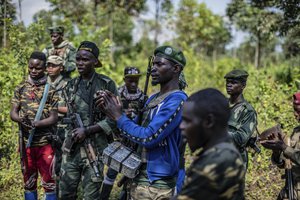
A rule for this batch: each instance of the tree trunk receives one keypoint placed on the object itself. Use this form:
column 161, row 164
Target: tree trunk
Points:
column 111, row 36
column 156, row 22
column 214, row 57
column 257, row 52
column 4, row 26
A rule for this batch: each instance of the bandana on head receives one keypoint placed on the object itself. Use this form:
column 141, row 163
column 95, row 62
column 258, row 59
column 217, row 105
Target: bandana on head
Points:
column 296, row 98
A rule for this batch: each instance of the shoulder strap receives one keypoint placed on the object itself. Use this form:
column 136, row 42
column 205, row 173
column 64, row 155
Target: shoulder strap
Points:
column 159, row 99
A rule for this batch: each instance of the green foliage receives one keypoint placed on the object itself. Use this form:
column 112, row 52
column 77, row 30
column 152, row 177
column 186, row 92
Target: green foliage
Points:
column 199, row 32
column 206, row 31
column 256, row 19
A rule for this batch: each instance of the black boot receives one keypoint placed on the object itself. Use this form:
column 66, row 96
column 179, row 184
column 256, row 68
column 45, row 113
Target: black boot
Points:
column 105, row 191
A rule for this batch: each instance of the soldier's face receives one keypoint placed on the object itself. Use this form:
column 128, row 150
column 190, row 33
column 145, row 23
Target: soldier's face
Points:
column 234, row 87
column 36, row 68
column 85, row 62
column 56, row 38
column 131, row 84
column 191, row 127
column 161, row 71
column 54, row 70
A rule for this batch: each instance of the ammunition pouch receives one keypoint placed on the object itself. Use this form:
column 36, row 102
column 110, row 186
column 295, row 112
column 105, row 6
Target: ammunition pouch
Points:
column 122, row 159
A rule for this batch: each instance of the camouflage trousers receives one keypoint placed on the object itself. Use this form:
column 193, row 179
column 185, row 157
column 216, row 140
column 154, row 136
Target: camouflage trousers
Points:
column 58, row 151
column 283, row 193
column 144, row 192
column 75, row 168
column 60, row 134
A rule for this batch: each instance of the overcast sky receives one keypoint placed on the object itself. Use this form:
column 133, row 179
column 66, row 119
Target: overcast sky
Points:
column 30, row 7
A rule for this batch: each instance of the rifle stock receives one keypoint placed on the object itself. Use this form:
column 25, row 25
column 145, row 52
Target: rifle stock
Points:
column 91, row 155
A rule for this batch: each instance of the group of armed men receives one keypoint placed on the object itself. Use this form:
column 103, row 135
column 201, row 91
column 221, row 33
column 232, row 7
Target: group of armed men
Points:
column 217, row 129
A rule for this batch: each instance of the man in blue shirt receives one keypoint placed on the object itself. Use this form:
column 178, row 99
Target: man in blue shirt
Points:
column 159, row 135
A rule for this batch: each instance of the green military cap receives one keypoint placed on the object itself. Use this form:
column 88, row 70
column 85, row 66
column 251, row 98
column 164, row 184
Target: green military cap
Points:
column 237, row 74
column 56, row 60
column 56, row 29
column 171, row 54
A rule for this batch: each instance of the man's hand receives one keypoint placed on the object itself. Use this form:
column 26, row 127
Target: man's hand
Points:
column 129, row 112
column 26, row 123
column 274, row 142
column 78, row 134
column 109, row 104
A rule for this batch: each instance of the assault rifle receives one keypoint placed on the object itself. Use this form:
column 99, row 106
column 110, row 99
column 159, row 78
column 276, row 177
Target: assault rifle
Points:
column 76, row 122
column 289, row 187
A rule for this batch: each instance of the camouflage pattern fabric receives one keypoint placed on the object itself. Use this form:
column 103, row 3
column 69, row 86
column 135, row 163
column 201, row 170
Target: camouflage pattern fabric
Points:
column 138, row 192
column 58, row 85
column 242, row 124
column 75, row 165
column 134, row 101
column 293, row 153
column 217, row 173
column 65, row 50
column 76, row 168
column 28, row 96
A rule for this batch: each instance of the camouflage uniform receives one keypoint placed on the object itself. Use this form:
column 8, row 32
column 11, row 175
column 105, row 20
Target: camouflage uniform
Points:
column 65, row 50
column 292, row 153
column 129, row 101
column 58, row 85
column 134, row 101
column 243, row 121
column 216, row 173
column 39, row 155
column 28, row 95
column 242, row 124
column 75, row 166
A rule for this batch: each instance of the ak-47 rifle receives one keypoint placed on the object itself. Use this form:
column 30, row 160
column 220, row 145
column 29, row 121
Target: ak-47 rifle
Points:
column 140, row 112
column 76, row 122
column 289, row 186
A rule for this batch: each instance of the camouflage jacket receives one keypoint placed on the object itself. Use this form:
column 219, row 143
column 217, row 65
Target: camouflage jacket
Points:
column 293, row 153
column 216, row 173
column 58, row 85
column 65, row 50
column 134, row 101
column 81, row 95
column 28, row 96
column 241, row 125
